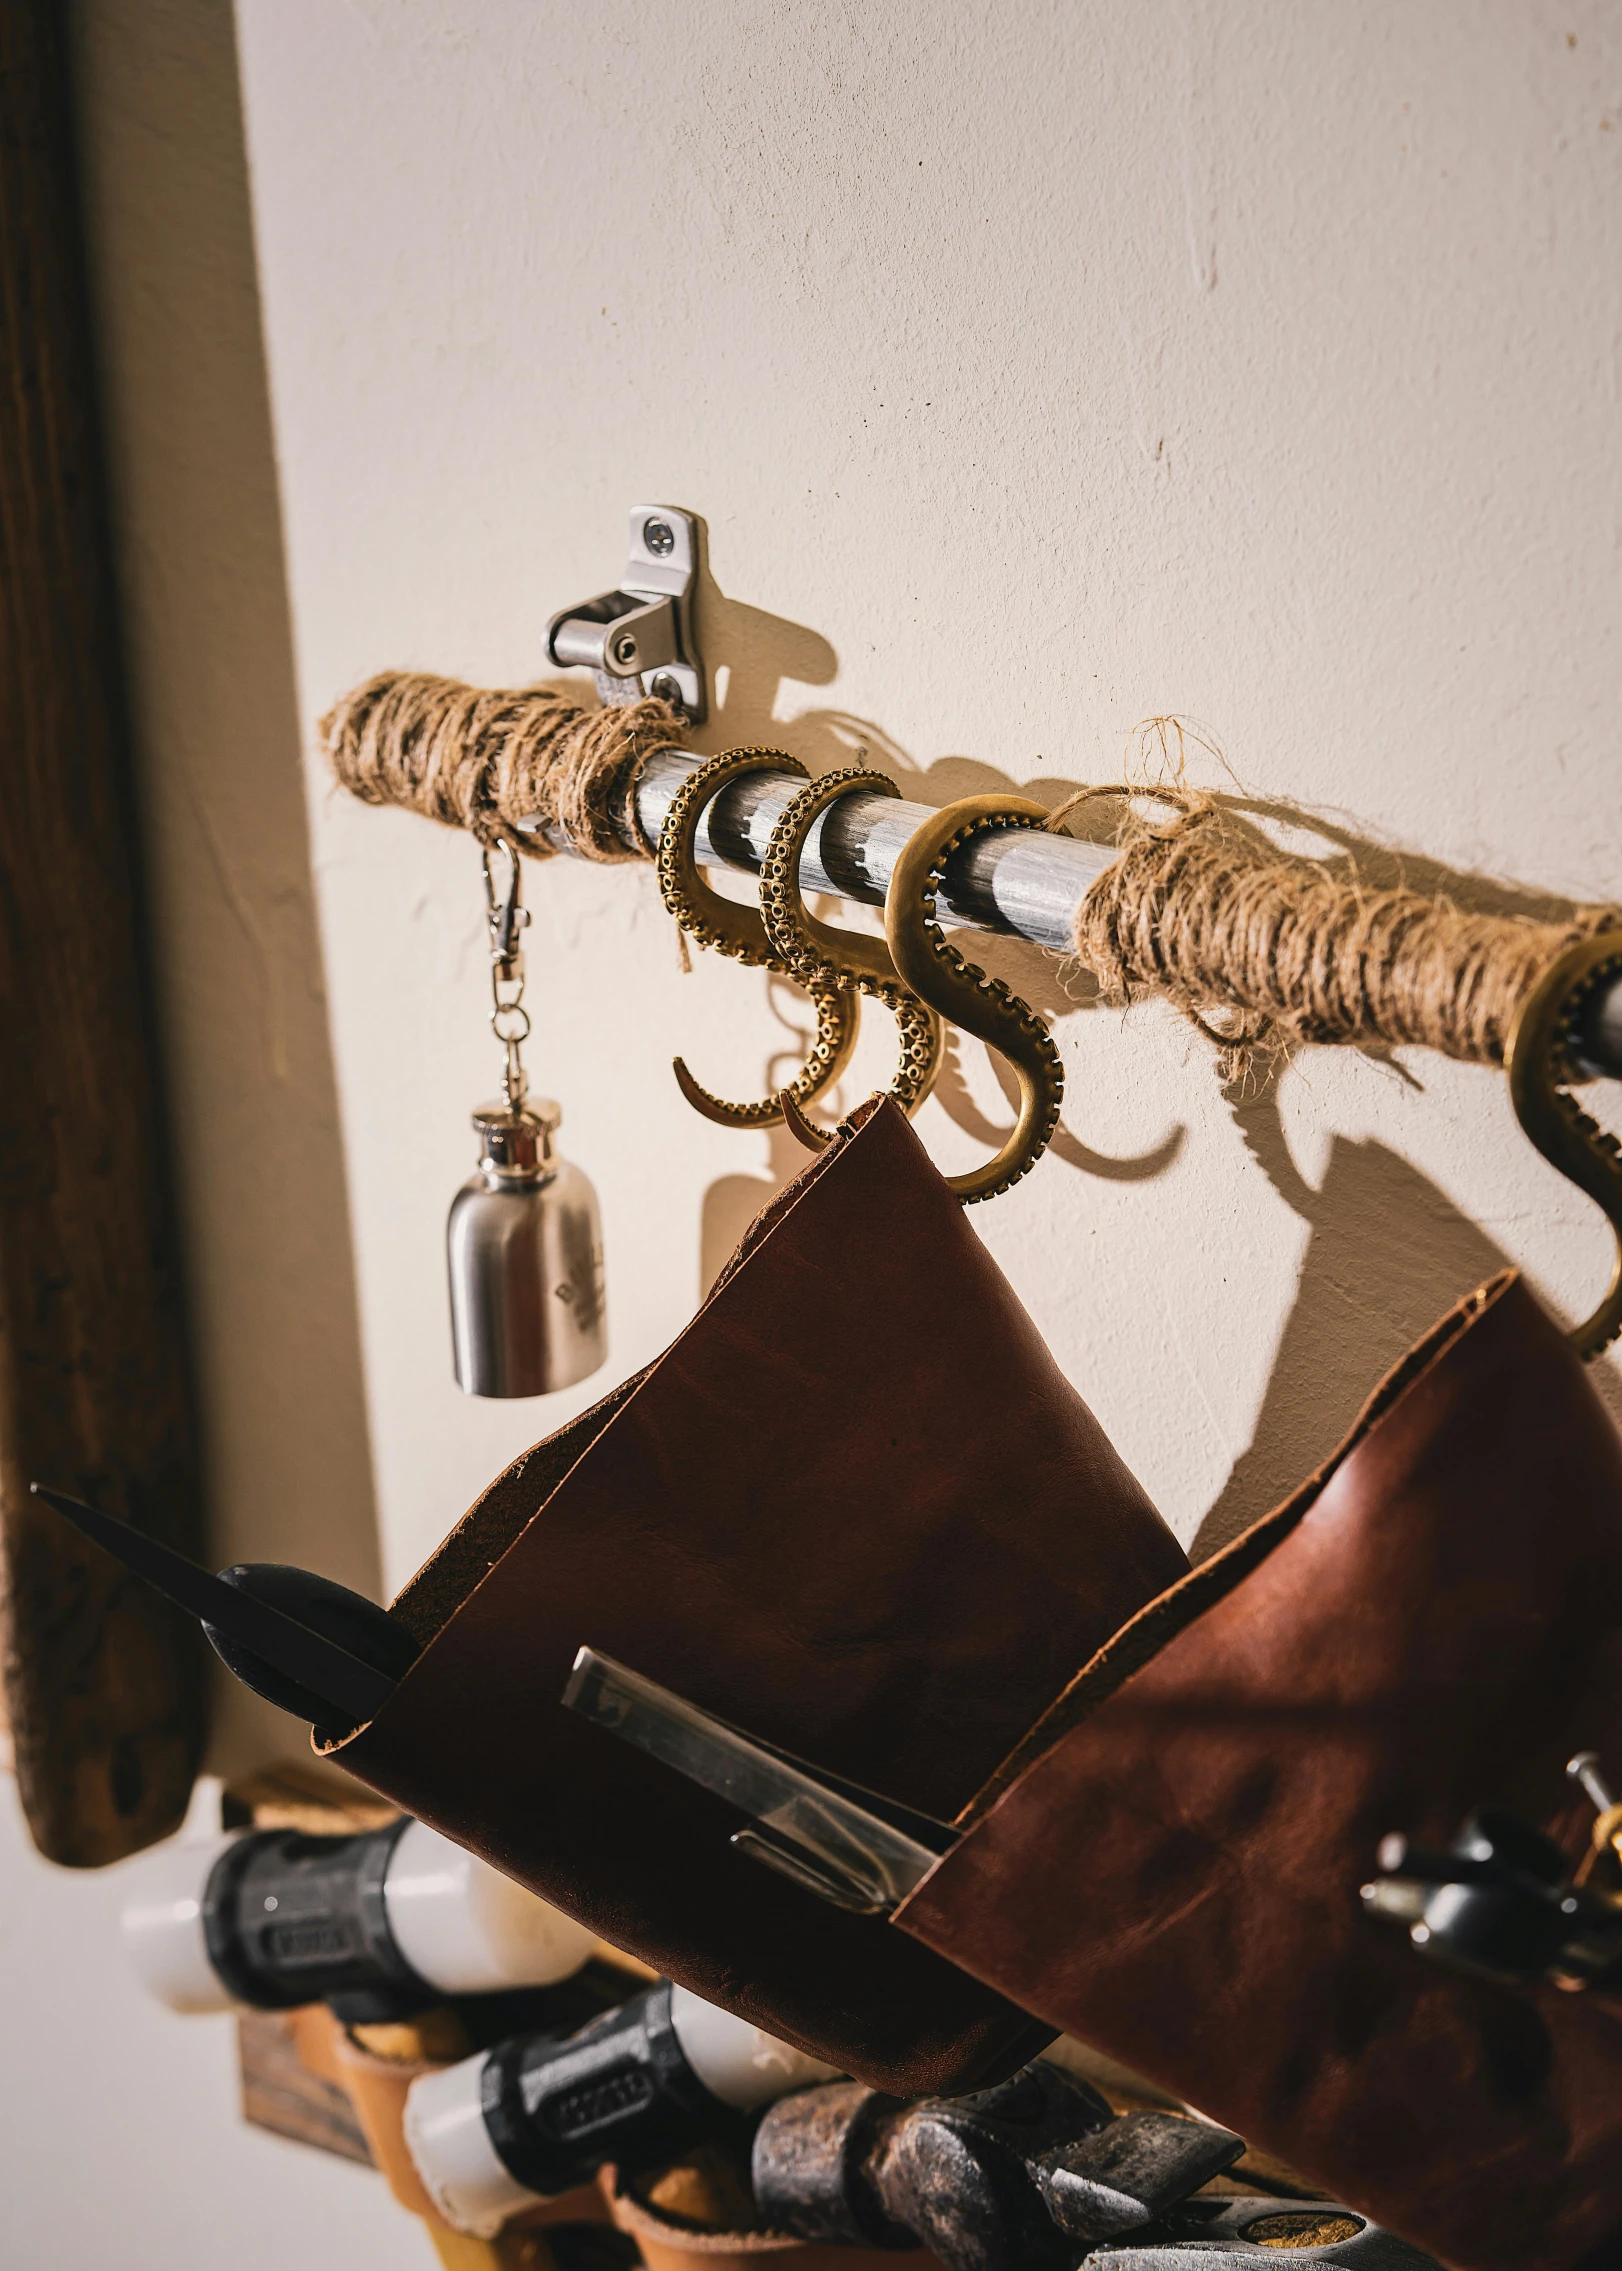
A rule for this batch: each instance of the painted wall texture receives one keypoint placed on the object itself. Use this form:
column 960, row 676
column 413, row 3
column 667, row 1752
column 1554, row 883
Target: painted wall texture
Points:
column 1039, row 371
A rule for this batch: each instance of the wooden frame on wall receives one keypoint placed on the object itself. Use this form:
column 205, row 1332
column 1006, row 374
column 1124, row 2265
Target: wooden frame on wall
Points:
column 105, row 1682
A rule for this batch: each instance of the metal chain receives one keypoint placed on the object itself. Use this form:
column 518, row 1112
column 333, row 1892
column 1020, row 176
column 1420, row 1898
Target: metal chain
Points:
column 507, row 917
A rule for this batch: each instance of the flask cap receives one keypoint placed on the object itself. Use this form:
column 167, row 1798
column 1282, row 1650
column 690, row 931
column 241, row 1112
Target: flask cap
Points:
column 515, row 1140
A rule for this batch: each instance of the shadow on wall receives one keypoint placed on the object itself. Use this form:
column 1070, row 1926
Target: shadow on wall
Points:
column 259, row 1162
column 1389, row 1252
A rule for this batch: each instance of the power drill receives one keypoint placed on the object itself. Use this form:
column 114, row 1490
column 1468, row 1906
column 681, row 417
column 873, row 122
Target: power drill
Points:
column 378, row 1925
column 639, row 2086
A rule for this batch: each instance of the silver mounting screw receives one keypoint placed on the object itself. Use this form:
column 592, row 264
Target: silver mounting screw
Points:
column 1584, row 1768
column 659, row 537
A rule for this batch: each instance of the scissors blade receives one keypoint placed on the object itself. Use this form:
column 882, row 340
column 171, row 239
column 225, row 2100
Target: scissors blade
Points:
column 289, row 1647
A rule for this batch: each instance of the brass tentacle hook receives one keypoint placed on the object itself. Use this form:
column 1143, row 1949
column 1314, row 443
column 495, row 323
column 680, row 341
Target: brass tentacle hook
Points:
column 819, row 954
column 1543, row 1060
column 740, row 932
column 931, row 965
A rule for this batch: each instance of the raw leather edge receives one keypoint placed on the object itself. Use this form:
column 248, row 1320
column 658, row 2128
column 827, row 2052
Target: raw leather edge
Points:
column 1144, row 1635
column 501, row 1514
column 643, row 2221
column 784, row 1201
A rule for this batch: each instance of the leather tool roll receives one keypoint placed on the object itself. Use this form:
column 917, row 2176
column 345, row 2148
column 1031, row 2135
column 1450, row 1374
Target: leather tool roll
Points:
column 856, row 1509
column 1171, row 1871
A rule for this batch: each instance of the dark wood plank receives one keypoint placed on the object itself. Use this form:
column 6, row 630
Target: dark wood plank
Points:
column 103, row 1681
column 280, row 2093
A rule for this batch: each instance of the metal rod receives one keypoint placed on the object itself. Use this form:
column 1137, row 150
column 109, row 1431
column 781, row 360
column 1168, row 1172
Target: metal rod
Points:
column 1019, row 885
column 1022, row 885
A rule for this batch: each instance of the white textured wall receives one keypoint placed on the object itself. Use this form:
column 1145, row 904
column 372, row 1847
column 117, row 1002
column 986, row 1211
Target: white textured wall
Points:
column 1038, row 369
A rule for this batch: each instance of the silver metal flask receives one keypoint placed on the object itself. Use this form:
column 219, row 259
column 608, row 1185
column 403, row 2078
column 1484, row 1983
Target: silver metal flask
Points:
column 525, row 1247
column 524, row 1240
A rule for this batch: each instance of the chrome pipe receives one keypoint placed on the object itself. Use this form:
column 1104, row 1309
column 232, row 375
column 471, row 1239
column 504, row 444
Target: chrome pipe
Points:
column 1022, row 885
column 1019, row 885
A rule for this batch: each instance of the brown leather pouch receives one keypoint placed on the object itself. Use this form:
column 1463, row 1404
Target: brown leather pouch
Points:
column 1169, row 1865
column 856, row 1509
column 651, row 2210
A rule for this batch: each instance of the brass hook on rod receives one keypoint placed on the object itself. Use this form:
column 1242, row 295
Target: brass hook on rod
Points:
column 1543, row 1061
column 928, row 962
column 740, row 931
column 819, row 954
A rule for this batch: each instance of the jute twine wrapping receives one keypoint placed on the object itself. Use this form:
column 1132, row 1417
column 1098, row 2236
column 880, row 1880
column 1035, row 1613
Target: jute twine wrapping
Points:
column 484, row 758
column 1202, row 908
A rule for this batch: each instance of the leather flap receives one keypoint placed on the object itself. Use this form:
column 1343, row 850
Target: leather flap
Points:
column 1437, row 1624
column 855, row 1508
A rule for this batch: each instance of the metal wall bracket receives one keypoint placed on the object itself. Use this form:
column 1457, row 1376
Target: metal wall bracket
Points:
column 639, row 639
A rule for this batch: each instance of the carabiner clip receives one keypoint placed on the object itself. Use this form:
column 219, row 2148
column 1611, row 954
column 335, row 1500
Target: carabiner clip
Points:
column 505, row 914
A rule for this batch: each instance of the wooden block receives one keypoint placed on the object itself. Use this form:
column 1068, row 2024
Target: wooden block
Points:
column 288, row 2085
column 302, row 1794
column 280, row 2093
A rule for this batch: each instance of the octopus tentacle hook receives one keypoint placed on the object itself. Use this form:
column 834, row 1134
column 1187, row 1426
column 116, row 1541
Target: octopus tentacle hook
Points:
column 1543, row 1060
column 739, row 931
column 819, row 954
column 927, row 961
